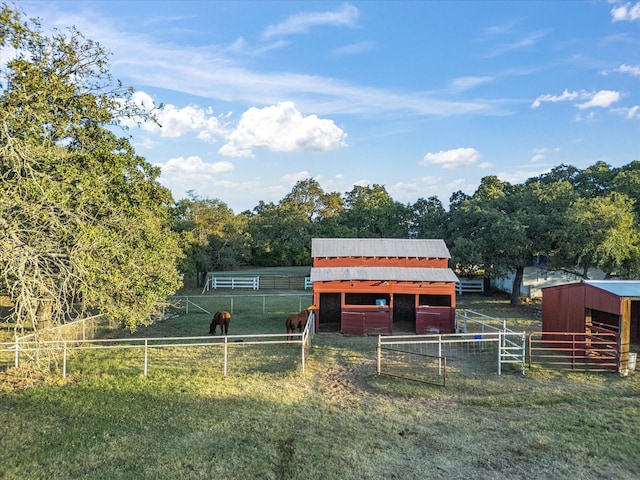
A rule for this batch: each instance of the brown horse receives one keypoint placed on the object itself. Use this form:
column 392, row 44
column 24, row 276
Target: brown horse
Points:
column 298, row 320
column 220, row 318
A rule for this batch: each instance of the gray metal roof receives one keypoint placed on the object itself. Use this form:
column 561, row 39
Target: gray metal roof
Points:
column 325, row 274
column 621, row 288
column 379, row 247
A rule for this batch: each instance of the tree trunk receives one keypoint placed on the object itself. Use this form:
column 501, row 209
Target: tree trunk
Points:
column 515, row 289
column 486, row 286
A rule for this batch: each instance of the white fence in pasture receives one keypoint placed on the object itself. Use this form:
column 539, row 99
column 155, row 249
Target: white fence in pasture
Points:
column 214, row 283
column 79, row 330
column 470, row 286
column 27, row 349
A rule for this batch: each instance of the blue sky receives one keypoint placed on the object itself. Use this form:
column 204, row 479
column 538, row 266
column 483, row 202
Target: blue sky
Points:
column 423, row 97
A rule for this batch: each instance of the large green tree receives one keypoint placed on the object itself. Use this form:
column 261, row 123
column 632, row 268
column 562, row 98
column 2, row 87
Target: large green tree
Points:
column 84, row 224
column 371, row 212
column 212, row 237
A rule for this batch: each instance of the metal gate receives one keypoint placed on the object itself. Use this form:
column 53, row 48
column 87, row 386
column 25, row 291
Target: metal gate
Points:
column 425, row 357
column 581, row 351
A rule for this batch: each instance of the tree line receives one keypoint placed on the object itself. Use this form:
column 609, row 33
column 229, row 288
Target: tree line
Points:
column 574, row 219
column 85, row 226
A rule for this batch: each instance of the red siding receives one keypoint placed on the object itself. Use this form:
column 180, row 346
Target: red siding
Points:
column 361, row 319
column 435, row 320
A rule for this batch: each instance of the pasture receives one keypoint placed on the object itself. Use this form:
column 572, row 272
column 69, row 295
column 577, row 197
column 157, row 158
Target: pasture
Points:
column 339, row 420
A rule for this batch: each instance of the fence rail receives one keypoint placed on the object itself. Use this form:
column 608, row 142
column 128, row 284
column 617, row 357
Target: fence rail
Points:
column 232, row 283
column 581, row 351
column 62, row 347
column 470, row 286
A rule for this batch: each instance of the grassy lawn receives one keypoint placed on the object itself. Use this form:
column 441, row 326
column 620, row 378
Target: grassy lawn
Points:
column 337, row 421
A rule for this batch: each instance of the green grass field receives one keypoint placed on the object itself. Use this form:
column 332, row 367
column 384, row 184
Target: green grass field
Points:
column 339, row 420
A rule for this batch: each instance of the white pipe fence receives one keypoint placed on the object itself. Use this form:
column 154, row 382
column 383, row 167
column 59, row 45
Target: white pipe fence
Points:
column 232, row 282
column 225, row 342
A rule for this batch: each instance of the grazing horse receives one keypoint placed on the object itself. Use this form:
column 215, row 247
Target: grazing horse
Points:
column 220, row 318
column 298, row 320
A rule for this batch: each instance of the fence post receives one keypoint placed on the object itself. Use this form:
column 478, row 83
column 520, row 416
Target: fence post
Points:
column 378, row 355
column 64, row 360
column 145, row 356
column 186, row 301
column 500, row 338
column 17, row 361
column 439, row 354
column 264, row 304
column 231, row 308
column 224, row 370
column 302, row 340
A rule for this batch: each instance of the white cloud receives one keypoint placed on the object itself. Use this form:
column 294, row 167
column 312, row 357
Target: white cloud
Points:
column 541, row 153
column 463, row 84
column 282, row 128
column 174, row 122
column 293, row 178
column 627, row 12
column 177, row 122
column 303, row 22
column 353, row 49
column 457, row 158
column 630, row 113
column 603, row 99
column 517, row 177
column 194, row 166
column 631, row 70
column 566, row 95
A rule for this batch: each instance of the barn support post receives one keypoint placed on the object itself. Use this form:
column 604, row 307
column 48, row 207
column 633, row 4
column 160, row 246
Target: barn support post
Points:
column 146, row 345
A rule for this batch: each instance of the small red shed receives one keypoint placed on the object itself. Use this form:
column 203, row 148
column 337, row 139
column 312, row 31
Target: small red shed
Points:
column 366, row 285
column 575, row 307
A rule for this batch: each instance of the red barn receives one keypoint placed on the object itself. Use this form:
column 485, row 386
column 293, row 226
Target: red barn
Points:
column 368, row 285
column 576, row 307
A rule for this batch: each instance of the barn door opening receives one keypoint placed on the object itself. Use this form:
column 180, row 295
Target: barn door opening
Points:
column 330, row 313
column 404, row 313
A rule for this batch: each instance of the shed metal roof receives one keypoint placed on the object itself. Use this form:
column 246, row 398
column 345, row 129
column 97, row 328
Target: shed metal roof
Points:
column 325, row 274
column 379, row 247
column 621, row 288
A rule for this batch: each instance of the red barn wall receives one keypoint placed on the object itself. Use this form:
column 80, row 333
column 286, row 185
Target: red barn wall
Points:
column 367, row 319
column 563, row 308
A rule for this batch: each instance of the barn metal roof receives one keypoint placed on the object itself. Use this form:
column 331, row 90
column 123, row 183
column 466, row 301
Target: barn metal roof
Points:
column 325, row 274
column 621, row 288
column 379, row 247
